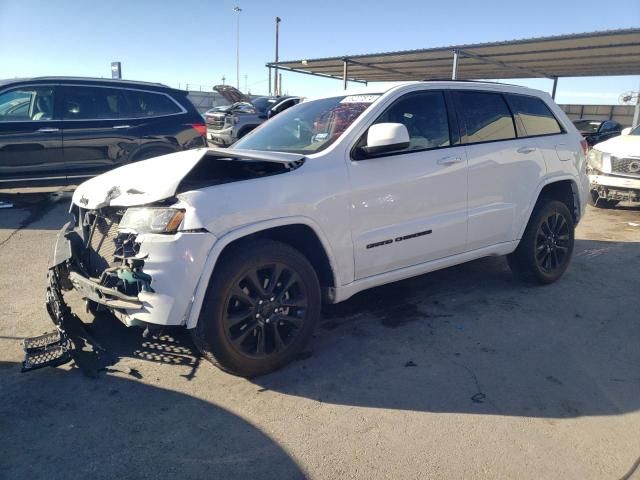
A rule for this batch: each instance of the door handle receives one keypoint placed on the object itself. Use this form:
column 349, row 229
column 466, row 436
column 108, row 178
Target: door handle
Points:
column 121, row 126
column 526, row 149
column 449, row 160
column 48, row 130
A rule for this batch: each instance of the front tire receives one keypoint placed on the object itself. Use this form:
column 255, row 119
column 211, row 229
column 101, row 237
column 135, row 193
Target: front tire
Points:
column 546, row 247
column 260, row 310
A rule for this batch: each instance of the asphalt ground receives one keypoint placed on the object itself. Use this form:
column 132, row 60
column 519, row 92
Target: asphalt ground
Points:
column 462, row 373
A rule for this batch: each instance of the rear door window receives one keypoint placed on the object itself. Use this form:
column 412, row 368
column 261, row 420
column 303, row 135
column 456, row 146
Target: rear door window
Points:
column 532, row 116
column 425, row 116
column 484, row 116
column 149, row 104
column 92, row 103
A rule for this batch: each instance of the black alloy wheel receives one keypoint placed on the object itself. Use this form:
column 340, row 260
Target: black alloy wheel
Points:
column 265, row 310
column 260, row 310
column 544, row 251
column 552, row 242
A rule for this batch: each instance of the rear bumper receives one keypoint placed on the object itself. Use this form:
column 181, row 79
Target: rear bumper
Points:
column 172, row 262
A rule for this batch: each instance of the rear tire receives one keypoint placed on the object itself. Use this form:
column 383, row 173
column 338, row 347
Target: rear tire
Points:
column 261, row 308
column 545, row 249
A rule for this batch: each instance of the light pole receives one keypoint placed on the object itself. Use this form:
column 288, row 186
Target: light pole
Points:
column 276, row 87
column 237, row 10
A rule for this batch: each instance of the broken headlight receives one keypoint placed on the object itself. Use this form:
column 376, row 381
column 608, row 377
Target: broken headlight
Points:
column 152, row 220
column 598, row 159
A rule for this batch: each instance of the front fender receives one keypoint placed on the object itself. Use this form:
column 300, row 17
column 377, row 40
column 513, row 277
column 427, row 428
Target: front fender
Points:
column 223, row 241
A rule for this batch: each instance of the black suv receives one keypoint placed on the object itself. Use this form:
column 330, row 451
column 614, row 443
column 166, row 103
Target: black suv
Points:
column 56, row 130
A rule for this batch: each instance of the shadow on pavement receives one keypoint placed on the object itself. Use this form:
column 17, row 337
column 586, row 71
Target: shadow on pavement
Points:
column 468, row 339
column 61, row 425
column 471, row 339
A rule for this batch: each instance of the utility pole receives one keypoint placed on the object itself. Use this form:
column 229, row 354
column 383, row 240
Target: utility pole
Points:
column 276, row 90
column 636, row 111
column 245, row 83
column 237, row 10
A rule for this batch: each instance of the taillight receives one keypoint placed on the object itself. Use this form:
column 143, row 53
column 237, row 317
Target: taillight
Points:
column 585, row 147
column 201, row 128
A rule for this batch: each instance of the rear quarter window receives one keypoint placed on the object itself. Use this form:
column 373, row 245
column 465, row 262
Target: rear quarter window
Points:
column 484, row 116
column 533, row 116
column 148, row 104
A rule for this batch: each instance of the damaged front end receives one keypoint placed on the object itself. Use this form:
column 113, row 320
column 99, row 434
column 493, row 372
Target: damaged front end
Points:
column 136, row 246
column 102, row 264
column 105, row 266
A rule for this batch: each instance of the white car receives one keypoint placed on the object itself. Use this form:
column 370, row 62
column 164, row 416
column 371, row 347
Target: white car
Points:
column 331, row 197
column 614, row 170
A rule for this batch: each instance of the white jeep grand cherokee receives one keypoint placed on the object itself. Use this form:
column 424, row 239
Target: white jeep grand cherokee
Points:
column 331, row 197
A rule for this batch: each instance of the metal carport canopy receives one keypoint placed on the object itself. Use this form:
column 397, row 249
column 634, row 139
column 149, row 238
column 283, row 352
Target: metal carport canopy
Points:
column 612, row 52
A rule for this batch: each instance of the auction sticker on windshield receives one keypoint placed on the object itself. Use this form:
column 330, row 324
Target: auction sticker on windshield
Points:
column 360, row 98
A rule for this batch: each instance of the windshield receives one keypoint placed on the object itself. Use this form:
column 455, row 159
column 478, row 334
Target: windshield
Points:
column 635, row 131
column 588, row 126
column 309, row 126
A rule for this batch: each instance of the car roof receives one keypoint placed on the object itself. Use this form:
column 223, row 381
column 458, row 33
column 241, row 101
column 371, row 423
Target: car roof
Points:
column 96, row 81
column 464, row 84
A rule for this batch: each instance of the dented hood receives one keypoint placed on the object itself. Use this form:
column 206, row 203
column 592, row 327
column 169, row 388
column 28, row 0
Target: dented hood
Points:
column 158, row 178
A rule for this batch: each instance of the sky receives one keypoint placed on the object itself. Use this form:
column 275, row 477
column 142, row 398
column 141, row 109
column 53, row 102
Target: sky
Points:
column 193, row 43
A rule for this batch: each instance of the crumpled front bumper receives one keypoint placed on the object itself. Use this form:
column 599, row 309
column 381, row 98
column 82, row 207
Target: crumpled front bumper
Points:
column 173, row 263
column 614, row 187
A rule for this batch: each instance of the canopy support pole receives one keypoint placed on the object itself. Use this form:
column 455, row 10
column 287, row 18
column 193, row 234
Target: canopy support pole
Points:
column 636, row 111
column 555, row 86
column 454, row 71
column 345, row 73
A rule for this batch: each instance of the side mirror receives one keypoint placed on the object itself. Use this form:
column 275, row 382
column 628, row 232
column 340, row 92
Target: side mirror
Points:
column 271, row 113
column 385, row 137
column 625, row 131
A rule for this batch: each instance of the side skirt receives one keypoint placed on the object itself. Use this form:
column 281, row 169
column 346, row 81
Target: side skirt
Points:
column 344, row 292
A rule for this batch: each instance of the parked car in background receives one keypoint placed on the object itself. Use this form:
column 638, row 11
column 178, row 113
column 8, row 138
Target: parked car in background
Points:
column 614, row 170
column 59, row 130
column 596, row 131
column 331, row 197
column 225, row 125
column 211, row 111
